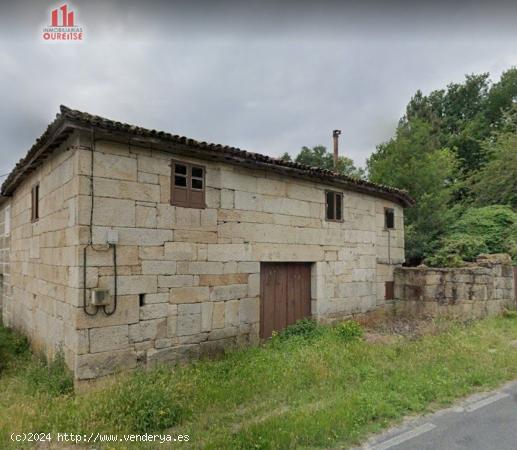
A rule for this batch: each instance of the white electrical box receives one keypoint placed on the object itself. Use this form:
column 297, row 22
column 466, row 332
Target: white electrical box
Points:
column 112, row 237
column 100, row 297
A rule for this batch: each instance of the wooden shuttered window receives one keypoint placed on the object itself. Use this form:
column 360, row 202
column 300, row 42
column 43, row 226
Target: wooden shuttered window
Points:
column 35, row 203
column 187, row 185
column 334, row 206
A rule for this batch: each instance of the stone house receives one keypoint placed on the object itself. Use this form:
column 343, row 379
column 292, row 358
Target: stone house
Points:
column 123, row 246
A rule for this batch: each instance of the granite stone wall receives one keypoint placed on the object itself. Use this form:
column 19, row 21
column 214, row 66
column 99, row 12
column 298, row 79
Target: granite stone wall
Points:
column 43, row 283
column 189, row 279
column 4, row 254
column 478, row 290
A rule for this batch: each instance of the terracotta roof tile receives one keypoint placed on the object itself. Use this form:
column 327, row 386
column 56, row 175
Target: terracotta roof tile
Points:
column 48, row 138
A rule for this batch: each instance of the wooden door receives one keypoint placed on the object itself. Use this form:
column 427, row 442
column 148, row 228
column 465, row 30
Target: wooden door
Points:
column 285, row 295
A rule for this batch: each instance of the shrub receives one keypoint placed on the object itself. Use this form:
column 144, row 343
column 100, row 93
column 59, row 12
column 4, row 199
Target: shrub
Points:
column 491, row 229
column 510, row 313
column 51, row 377
column 456, row 249
column 305, row 328
column 350, row 330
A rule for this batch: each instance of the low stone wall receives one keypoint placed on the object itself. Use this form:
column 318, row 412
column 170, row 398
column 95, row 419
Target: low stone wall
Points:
column 482, row 289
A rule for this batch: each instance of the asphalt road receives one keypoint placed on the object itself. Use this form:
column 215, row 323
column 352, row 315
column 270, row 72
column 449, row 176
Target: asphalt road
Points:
column 482, row 422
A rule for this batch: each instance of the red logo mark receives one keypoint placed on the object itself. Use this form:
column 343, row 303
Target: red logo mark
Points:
column 68, row 17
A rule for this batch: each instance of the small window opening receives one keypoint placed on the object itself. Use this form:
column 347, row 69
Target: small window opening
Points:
column 389, row 218
column 141, row 299
column 389, row 290
column 334, row 206
column 35, row 203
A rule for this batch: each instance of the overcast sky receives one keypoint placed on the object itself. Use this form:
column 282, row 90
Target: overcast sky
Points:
column 253, row 75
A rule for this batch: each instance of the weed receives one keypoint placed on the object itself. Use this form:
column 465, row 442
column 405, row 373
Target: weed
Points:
column 145, row 402
column 305, row 328
column 349, row 330
column 52, row 377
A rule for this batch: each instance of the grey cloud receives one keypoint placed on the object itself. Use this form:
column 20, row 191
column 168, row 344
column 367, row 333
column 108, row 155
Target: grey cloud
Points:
column 267, row 79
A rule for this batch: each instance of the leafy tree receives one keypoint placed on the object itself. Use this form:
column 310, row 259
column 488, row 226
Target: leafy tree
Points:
column 319, row 157
column 286, row 157
column 496, row 182
column 412, row 161
column 453, row 149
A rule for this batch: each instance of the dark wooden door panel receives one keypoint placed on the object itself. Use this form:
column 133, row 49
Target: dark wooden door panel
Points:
column 285, row 295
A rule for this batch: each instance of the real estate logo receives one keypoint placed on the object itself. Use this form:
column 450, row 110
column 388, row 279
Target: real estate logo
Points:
column 62, row 26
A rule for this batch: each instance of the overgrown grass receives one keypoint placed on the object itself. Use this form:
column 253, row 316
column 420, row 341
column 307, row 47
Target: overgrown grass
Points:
column 313, row 389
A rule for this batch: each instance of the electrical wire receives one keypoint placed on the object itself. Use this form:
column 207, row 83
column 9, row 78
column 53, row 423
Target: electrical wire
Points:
column 109, row 313
column 90, row 241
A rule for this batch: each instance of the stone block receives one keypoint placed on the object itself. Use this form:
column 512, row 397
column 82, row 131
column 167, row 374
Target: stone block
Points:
column 134, row 284
column 206, row 237
column 114, row 166
column 180, row 251
column 200, row 268
column 248, row 267
column 282, row 252
column 227, row 199
column 305, row 192
column 129, row 190
column 153, row 165
column 176, row 281
column 146, row 217
column 231, row 313
column 254, row 285
column 229, row 292
column 208, row 219
column 162, row 297
column 189, row 308
column 158, row 267
column 223, row 279
column 218, row 318
column 212, row 198
column 150, row 178
column 108, row 338
column 166, row 216
column 249, row 310
column 223, row 333
column 172, row 324
column 94, row 365
column 194, row 294
column 154, row 311
column 172, row 354
column 163, row 343
column 206, row 316
column 187, row 218
column 188, row 324
column 192, row 339
column 135, row 236
column 147, row 330
column 228, row 252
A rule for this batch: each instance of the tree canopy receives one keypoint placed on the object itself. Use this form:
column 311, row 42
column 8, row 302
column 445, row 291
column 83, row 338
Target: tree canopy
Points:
column 318, row 156
column 454, row 149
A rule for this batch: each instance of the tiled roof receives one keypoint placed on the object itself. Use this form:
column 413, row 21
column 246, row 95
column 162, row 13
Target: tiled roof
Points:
column 57, row 131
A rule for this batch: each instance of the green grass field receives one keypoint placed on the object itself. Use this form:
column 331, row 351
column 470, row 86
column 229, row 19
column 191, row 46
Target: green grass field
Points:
column 322, row 389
